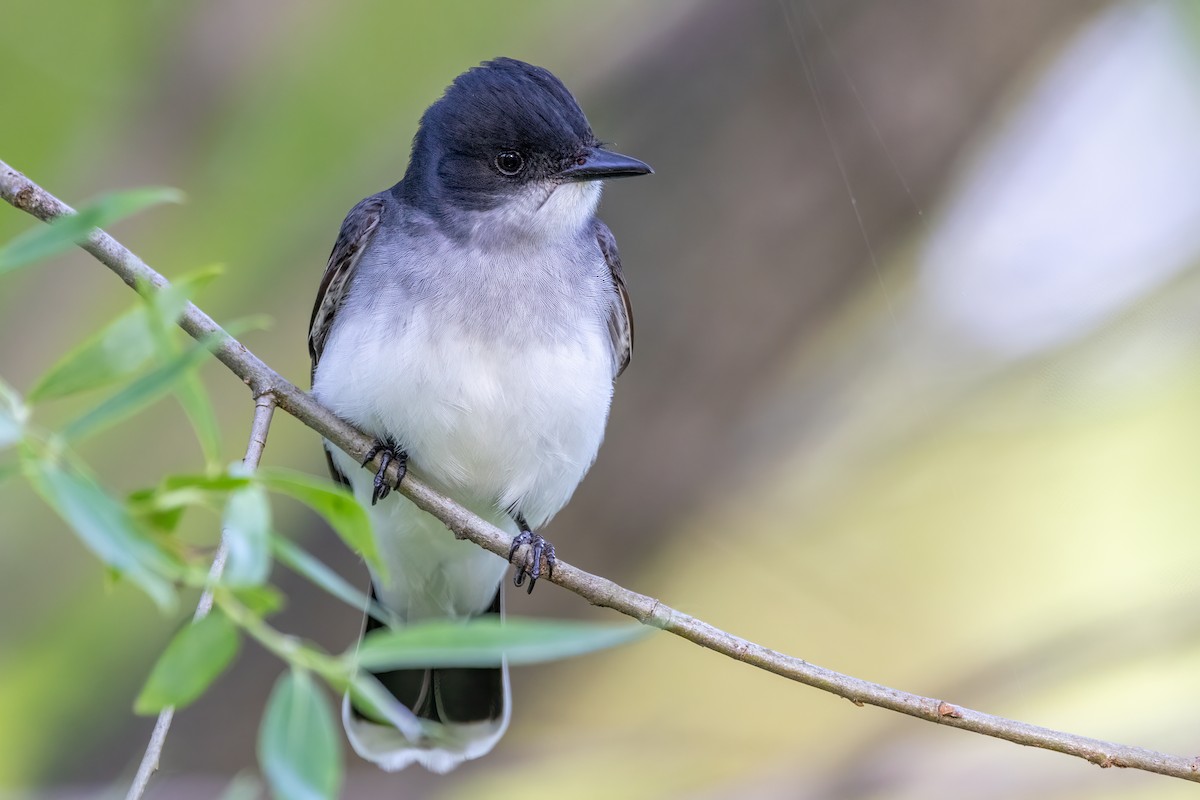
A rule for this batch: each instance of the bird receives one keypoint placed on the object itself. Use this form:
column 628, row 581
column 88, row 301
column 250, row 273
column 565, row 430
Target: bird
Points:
column 473, row 318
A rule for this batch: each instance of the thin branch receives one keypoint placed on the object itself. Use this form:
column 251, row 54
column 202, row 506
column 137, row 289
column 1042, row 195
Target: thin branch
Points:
column 27, row 196
column 264, row 409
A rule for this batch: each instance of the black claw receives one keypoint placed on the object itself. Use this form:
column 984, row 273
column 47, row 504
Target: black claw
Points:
column 388, row 451
column 531, row 566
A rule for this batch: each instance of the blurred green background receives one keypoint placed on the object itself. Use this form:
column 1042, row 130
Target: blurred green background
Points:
column 914, row 395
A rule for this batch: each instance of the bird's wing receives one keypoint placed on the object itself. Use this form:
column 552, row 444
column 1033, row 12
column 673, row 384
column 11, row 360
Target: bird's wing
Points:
column 356, row 232
column 620, row 318
column 352, row 239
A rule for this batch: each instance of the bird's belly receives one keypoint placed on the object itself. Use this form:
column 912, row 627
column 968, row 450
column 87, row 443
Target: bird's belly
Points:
column 510, row 425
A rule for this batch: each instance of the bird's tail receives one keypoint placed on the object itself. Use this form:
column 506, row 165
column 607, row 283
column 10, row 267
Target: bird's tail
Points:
column 467, row 709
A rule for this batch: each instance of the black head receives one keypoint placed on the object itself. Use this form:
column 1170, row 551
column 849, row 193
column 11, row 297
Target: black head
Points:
column 501, row 128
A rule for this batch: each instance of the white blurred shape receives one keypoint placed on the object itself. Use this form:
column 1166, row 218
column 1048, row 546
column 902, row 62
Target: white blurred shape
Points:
column 1089, row 196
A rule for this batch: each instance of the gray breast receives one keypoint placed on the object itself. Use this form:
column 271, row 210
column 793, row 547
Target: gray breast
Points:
column 522, row 289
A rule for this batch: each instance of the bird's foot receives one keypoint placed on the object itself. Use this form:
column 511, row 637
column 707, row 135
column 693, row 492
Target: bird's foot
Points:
column 531, row 565
column 389, row 452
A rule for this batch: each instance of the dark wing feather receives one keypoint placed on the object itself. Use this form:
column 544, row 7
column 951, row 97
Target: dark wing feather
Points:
column 356, row 232
column 620, row 319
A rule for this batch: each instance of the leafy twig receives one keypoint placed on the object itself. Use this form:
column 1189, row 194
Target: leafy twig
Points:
column 264, row 408
column 29, row 197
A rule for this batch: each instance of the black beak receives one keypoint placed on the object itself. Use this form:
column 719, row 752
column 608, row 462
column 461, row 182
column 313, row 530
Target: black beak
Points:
column 598, row 164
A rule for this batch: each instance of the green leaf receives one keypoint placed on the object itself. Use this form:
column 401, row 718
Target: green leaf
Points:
column 65, row 232
column 168, row 304
column 199, row 409
column 13, row 416
column 220, row 482
column 104, row 525
column 170, row 300
column 345, row 514
column 163, row 506
column 304, row 564
column 246, row 529
column 260, row 600
column 164, row 520
column 193, row 660
column 299, row 748
column 141, row 392
column 123, row 346
column 119, row 349
column 485, row 641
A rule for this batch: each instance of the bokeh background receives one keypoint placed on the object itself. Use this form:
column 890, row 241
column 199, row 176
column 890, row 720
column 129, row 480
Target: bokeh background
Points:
column 915, row 393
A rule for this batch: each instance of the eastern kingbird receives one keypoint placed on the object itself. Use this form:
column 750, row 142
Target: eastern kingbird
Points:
column 473, row 318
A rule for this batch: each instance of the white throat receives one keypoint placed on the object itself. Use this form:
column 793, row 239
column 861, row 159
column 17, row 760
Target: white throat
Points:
column 543, row 212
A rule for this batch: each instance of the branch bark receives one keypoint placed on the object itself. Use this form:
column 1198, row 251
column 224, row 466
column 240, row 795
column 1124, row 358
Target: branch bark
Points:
column 27, row 196
column 264, row 409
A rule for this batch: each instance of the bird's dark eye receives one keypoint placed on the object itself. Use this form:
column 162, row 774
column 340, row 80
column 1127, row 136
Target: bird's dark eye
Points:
column 510, row 162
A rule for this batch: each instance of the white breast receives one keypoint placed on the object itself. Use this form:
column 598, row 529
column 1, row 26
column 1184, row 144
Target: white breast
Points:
column 497, row 426
column 511, row 424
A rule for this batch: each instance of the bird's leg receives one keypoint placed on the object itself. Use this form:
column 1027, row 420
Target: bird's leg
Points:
column 531, row 566
column 388, row 452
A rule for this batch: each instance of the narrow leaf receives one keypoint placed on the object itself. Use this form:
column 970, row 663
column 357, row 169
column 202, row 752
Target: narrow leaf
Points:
column 163, row 520
column 116, row 206
column 152, row 501
column 199, row 409
column 220, row 482
column 162, row 506
column 297, row 560
column 261, row 601
column 339, row 508
column 486, row 641
column 195, row 657
column 13, row 415
column 247, row 530
column 123, row 346
column 168, row 304
column 298, row 745
column 141, row 392
column 116, row 351
column 65, row 232
column 104, row 525
column 170, row 301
